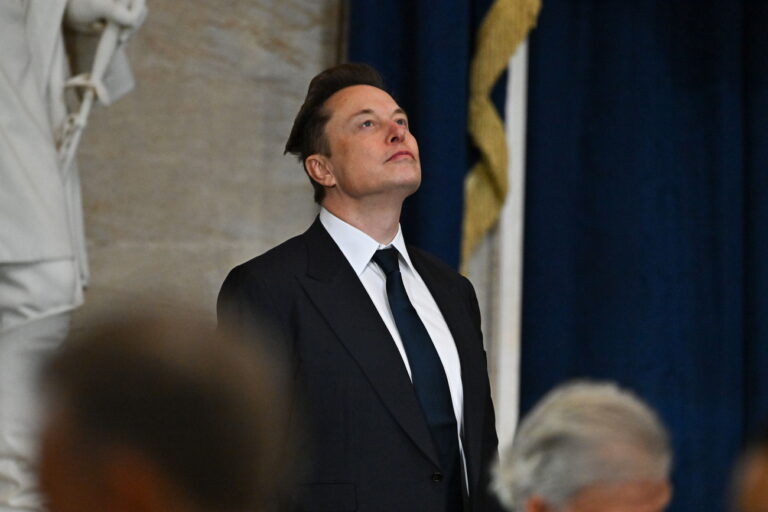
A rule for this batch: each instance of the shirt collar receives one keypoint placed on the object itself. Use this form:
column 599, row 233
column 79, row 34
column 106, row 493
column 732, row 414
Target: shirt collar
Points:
column 356, row 245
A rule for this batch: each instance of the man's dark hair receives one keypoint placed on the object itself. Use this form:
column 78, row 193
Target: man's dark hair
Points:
column 205, row 407
column 308, row 133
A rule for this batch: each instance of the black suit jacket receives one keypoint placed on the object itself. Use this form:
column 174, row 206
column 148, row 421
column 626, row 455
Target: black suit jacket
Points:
column 372, row 447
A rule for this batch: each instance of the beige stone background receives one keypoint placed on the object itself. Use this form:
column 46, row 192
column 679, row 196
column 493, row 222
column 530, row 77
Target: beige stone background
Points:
column 185, row 177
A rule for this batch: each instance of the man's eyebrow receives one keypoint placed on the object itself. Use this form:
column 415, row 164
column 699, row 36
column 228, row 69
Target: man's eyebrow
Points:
column 361, row 113
column 366, row 111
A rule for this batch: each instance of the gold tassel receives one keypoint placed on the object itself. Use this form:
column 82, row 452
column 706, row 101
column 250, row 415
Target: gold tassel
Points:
column 505, row 26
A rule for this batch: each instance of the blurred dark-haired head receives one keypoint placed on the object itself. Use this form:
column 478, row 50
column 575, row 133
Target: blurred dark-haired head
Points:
column 163, row 413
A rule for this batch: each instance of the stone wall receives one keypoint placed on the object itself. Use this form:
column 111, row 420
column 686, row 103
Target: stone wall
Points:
column 185, row 177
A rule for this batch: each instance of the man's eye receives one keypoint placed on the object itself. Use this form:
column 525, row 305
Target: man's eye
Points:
column 402, row 122
column 366, row 124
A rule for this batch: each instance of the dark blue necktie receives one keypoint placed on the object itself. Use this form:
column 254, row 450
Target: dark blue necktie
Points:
column 427, row 374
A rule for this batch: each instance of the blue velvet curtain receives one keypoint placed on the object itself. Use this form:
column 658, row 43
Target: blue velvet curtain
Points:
column 423, row 49
column 646, row 242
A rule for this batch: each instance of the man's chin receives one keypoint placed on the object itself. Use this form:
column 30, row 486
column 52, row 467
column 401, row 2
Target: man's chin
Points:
column 409, row 187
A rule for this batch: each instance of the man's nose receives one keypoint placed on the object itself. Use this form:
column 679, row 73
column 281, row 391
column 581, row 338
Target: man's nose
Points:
column 396, row 132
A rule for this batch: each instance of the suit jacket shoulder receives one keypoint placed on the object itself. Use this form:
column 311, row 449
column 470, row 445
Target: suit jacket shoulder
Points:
column 441, row 277
column 253, row 295
column 286, row 258
column 445, row 271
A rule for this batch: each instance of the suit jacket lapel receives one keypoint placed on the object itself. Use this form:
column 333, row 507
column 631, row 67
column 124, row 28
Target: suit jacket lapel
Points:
column 338, row 294
column 458, row 318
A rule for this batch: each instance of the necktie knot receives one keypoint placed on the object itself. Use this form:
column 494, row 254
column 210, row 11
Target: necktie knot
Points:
column 387, row 260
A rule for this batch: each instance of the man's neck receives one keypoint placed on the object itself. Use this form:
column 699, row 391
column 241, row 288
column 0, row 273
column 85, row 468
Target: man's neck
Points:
column 380, row 222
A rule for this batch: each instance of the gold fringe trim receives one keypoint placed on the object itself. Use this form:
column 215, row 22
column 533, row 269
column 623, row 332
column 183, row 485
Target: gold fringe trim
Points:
column 505, row 26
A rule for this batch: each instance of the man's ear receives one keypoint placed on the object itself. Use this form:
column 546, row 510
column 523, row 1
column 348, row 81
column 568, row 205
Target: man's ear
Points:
column 319, row 169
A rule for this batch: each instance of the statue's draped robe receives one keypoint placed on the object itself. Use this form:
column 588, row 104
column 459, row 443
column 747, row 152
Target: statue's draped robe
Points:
column 43, row 265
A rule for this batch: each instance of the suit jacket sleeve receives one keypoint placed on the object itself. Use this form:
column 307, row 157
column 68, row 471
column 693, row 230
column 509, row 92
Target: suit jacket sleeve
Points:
column 487, row 502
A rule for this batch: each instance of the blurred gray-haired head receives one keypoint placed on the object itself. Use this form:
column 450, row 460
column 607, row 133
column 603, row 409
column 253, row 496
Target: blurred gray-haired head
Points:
column 579, row 434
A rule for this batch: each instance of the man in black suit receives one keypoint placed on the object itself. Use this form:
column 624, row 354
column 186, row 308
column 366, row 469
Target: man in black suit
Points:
column 383, row 339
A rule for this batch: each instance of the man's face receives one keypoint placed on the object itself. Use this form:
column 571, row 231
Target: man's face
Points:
column 634, row 496
column 372, row 151
column 752, row 490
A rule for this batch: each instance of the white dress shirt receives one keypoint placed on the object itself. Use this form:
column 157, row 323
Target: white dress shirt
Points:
column 359, row 248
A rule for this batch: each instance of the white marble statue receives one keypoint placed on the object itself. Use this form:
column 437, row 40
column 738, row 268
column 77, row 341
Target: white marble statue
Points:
column 43, row 266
